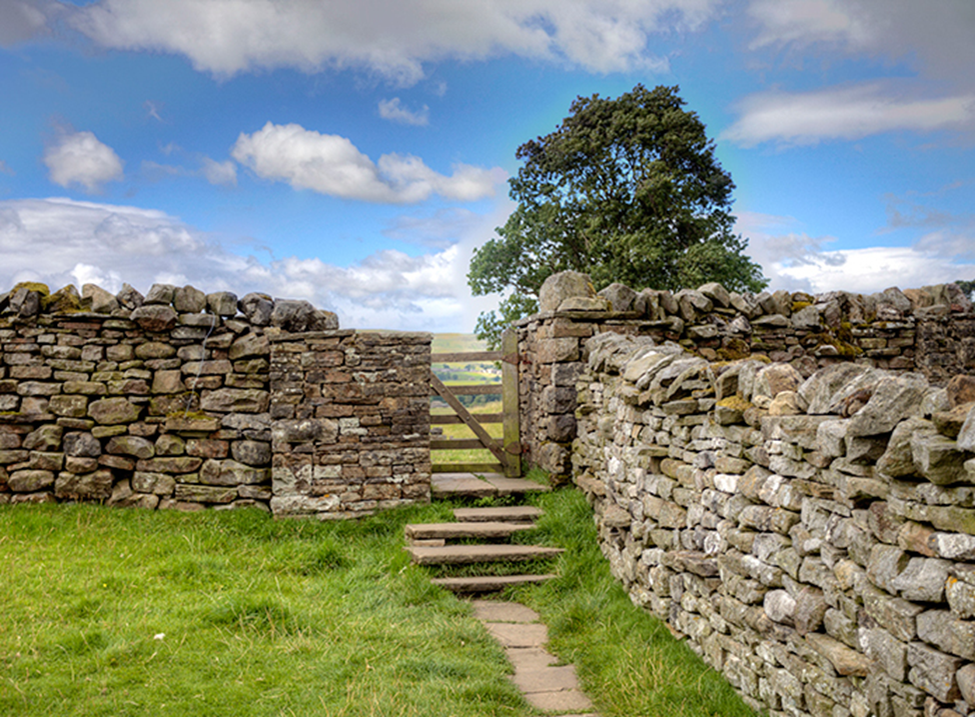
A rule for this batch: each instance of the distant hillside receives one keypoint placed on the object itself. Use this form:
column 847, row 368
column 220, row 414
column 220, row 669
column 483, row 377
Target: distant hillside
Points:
column 456, row 343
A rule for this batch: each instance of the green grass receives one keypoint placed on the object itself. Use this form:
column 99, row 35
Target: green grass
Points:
column 260, row 617
column 126, row 612
column 460, row 430
column 627, row 659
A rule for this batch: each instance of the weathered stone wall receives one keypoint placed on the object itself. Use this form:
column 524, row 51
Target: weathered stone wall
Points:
column 930, row 330
column 165, row 401
column 351, row 427
column 813, row 538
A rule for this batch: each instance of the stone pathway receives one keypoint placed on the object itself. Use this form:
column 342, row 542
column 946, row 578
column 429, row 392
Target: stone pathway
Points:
column 546, row 685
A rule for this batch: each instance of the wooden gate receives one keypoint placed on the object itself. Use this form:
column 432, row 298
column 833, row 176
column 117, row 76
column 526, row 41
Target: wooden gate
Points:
column 505, row 450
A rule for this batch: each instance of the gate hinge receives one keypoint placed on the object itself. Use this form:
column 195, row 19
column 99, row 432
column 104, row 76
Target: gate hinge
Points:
column 515, row 359
column 514, row 448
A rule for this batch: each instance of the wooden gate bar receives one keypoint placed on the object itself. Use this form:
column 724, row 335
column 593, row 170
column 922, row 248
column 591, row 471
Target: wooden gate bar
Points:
column 482, row 418
column 461, row 410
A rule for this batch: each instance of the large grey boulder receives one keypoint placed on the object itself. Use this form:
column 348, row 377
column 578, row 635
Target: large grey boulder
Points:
column 102, row 302
column 818, row 389
column 189, row 300
column 559, row 287
column 160, row 294
column 776, row 378
column 898, row 460
column 716, row 293
column 620, row 296
column 257, row 308
column 894, row 398
column 129, row 298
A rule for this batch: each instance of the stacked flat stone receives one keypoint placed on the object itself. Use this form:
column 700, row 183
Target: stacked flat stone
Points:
column 813, row 538
column 930, row 330
column 351, row 432
column 159, row 400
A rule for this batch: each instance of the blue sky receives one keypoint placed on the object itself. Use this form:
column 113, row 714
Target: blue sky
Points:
column 355, row 152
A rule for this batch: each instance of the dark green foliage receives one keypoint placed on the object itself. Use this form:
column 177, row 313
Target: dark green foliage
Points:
column 967, row 286
column 624, row 190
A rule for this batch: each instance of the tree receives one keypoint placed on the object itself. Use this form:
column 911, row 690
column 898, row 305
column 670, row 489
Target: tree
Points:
column 967, row 286
column 624, row 190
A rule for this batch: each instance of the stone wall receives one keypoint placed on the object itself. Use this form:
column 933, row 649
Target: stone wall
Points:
column 351, row 422
column 930, row 330
column 813, row 538
column 166, row 401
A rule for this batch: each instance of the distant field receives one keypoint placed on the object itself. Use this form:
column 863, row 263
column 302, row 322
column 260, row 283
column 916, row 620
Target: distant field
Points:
column 456, row 343
column 458, row 374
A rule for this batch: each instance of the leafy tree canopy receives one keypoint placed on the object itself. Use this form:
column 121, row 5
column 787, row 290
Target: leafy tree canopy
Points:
column 624, row 190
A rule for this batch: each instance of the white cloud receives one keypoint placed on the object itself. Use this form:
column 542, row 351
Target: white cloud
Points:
column 61, row 241
column 394, row 111
column 935, row 36
column 221, row 173
column 330, row 164
column 79, row 158
column 808, row 21
column 23, row 19
column 226, row 37
column 847, row 113
column 795, row 261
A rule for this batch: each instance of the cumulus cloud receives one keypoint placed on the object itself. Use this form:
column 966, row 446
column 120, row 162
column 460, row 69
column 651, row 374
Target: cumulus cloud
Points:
column 226, row 37
column 934, row 37
column 80, row 158
column 23, row 19
column 394, row 111
column 220, row 173
column 847, row 113
column 795, row 261
column 61, row 241
column 332, row 165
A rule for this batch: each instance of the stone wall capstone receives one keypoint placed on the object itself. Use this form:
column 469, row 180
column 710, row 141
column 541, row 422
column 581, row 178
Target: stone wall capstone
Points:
column 929, row 330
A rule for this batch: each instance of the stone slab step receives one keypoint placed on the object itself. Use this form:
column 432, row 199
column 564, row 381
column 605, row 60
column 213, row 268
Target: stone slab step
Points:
column 447, row 485
column 507, row 486
column 487, row 583
column 445, row 531
column 514, row 513
column 458, row 554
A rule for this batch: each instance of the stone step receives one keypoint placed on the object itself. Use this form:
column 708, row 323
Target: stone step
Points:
column 487, row 583
column 429, row 543
column 513, row 513
column 451, row 485
column 458, row 554
column 446, row 531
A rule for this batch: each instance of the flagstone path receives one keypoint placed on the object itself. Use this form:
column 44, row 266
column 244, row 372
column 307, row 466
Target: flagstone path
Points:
column 546, row 684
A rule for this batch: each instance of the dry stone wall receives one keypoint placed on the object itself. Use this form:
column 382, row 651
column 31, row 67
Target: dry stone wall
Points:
column 351, row 431
column 813, row 538
column 929, row 330
column 167, row 401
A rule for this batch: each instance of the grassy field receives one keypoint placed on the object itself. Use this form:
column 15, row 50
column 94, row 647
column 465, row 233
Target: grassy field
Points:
column 459, row 374
column 116, row 612
column 217, row 614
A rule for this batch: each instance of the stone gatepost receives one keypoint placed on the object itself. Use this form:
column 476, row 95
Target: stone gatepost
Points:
column 350, row 422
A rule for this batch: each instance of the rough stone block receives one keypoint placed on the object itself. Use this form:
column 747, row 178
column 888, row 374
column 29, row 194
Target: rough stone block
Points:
column 90, row 486
column 934, row 671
